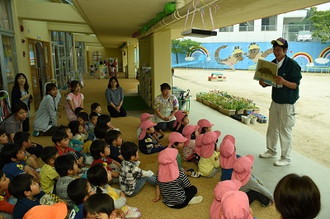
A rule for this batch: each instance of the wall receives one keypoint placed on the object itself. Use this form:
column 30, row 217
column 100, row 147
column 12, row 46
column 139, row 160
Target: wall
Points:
column 311, row 56
column 106, row 53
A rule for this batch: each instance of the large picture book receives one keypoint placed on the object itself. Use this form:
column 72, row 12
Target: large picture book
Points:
column 266, row 71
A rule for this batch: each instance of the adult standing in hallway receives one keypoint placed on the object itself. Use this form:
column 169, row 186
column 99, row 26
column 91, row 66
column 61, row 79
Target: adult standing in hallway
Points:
column 115, row 98
column 20, row 92
column 282, row 108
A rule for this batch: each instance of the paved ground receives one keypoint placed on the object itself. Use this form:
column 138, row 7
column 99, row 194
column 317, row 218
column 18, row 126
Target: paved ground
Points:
column 311, row 132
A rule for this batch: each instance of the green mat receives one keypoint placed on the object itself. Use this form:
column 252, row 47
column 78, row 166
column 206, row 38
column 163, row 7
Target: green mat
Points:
column 134, row 103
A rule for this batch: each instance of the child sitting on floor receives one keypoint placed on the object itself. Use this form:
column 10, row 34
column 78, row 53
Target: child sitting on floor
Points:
column 3, row 138
column 209, row 163
column 23, row 139
column 204, row 126
column 235, row 204
column 114, row 139
column 100, row 152
column 67, row 167
column 132, row 178
column 105, row 120
column 6, row 206
column 96, row 108
column 157, row 134
column 172, row 183
column 101, row 205
column 220, row 189
column 26, row 189
column 78, row 191
column 48, row 174
column 79, row 133
column 227, row 157
column 13, row 157
column 147, row 143
column 91, row 124
column 251, row 185
column 99, row 177
column 190, row 132
column 181, row 121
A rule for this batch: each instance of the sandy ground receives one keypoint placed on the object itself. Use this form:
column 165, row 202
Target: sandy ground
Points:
column 311, row 134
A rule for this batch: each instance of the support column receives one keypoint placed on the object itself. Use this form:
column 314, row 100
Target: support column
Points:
column 131, row 60
column 161, row 60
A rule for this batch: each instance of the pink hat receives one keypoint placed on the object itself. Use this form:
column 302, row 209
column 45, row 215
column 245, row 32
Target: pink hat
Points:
column 227, row 152
column 56, row 211
column 145, row 116
column 235, row 204
column 198, row 144
column 144, row 126
column 243, row 169
column 203, row 123
column 220, row 189
column 175, row 137
column 179, row 115
column 208, row 142
column 187, row 131
column 168, row 169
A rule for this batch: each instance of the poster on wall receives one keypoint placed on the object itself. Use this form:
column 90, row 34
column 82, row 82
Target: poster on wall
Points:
column 266, row 71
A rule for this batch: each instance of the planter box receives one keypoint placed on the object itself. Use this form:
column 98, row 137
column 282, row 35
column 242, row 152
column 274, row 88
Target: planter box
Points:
column 213, row 106
column 206, row 102
column 226, row 112
column 241, row 111
column 199, row 99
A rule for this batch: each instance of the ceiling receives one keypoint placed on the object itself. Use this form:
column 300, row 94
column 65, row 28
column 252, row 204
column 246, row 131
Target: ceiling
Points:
column 114, row 21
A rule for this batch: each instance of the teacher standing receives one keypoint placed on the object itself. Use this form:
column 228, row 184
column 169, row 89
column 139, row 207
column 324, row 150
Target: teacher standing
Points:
column 115, row 98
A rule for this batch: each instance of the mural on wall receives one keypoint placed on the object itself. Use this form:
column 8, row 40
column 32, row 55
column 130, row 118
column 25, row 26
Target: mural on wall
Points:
column 254, row 52
column 311, row 56
column 236, row 56
column 323, row 57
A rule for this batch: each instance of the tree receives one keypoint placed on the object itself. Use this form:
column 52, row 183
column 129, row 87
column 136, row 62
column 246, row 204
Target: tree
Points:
column 321, row 24
column 183, row 46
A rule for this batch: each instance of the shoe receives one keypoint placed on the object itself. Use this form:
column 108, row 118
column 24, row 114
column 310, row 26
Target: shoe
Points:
column 196, row 200
column 35, row 133
column 195, row 174
column 266, row 155
column 160, row 136
column 281, row 163
column 132, row 214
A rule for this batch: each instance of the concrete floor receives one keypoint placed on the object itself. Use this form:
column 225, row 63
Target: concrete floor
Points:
column 249, row 141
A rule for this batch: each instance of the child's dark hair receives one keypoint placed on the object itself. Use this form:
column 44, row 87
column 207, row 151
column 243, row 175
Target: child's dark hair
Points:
column 64, row 163
column 9, row 151
column 93, row 114
column 165, row 86
column 297, row 197
column 94, row 106
column 83, row 115
column 2, row 131
column 74, row 126
column 78, row 110
column 19, row 184
column 99, row 203
column 21, row 137
column 59, row 135
column 96, row 148
column 128, row 149
column 50, row 87
column 73, row 85
column 100, row 131
column 17, row 106
column 203, row 130
column 97, row 175
column 77, row 190
column 103, row 120
column 48, row 153
column 111, row 135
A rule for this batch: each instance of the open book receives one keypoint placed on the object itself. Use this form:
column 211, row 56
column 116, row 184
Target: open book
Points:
column 267, row 71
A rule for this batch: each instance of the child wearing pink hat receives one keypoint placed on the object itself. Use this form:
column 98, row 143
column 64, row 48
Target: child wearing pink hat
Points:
column 146, row 116
column 227, row 157
column 204, row 126
column 172, row 183
column 220, row 189
column 189, row 132
column 235, row 204
column 181, row 121
column 148, row 144
column 209, row 163
column 251, row 185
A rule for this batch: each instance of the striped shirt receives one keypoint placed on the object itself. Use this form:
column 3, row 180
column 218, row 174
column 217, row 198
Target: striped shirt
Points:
column 173, row 192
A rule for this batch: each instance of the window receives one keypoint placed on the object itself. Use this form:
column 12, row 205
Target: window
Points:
column 227, row 29
column 5, row 21
column 269, row 24
column 246, row 26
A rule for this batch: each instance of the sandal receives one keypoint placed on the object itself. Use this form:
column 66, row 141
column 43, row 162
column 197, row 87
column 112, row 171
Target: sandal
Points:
column 195, row 174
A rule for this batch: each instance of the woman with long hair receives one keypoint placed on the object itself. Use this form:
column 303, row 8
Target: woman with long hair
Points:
column 20, row 92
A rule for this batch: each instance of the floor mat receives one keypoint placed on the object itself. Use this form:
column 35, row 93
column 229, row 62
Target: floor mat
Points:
column 135, row 103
